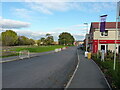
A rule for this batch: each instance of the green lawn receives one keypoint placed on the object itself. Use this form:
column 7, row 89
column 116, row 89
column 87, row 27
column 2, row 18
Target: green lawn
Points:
column 37, row 49
column 32, row 49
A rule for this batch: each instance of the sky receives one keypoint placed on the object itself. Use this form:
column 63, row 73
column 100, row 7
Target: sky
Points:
column 35, row 19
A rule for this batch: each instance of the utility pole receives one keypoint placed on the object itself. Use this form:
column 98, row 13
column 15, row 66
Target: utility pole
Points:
column 116, row 34
column 115, row 43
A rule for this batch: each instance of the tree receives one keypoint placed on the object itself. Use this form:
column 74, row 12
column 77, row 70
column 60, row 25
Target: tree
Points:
column 22, row 40
column 38, row 42
column 43, row 41
column 49, row 39
column 66, row 38
column 48, row 35
column 9, row 38
column 32, row 42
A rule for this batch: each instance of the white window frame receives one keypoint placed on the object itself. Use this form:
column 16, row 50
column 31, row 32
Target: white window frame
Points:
column 105, row 47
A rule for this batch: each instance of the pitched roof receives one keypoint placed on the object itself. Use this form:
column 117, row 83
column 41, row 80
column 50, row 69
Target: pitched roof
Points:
column 109, row 25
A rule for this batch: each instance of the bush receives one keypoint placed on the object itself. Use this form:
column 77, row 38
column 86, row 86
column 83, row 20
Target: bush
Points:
column 113, row 76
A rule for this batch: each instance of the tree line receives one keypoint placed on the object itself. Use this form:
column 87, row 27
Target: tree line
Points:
column 10, row 38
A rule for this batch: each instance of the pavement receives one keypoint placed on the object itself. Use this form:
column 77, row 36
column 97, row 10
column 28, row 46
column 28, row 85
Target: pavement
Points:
column 44, row 71
column 88, row 75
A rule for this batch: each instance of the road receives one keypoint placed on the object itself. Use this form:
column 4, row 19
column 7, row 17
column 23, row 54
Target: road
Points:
column 46, row 71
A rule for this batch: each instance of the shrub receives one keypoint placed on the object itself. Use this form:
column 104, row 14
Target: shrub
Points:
column 113, row 76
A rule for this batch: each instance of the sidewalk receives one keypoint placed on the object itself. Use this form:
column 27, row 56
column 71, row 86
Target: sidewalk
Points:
column 88, row 75
column 12, row 58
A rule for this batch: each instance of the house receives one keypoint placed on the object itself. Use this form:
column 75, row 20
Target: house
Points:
column 104, row 40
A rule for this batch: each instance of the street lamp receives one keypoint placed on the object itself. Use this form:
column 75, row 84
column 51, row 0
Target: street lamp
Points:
column 86, row 35
column 86, row 24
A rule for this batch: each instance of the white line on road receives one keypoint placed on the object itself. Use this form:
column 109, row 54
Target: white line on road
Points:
column 68, row 84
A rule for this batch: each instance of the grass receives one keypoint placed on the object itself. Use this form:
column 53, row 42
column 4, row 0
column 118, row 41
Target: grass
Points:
column 37, row 49
column 32, row 49
column 9, row 55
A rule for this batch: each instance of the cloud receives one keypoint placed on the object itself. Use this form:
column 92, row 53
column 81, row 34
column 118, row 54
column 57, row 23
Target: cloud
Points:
column 13, row 24
column 78, row 36
column 79, row 28
column 37, row 35
column 70, row 0
column 60, row 0
column 0, row 17
column 49, row 7
column 23, row 13
column 98, row 7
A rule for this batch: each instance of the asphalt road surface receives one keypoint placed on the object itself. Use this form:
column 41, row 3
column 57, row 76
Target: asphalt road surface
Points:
column 45, row 71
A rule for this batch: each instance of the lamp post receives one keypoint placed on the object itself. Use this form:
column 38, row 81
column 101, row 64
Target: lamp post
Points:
column 86, row 24
column 86, row 35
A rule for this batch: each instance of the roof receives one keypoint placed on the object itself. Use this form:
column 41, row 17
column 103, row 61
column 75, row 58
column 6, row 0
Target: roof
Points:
column 109, row 25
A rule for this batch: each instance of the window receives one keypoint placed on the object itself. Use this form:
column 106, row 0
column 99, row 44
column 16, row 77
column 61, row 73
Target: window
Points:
column 104, row 47
column 119, row 50
column 104, row 33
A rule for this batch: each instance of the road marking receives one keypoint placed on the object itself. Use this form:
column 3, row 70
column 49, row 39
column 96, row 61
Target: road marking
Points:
column 9, row 60
column 103, row 75
column 68, row 84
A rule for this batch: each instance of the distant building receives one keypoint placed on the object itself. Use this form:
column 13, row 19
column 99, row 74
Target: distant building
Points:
column 78, row 43
column 55, row 43
column 103, row 40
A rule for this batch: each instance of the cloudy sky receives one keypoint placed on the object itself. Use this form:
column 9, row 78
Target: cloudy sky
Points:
column 35, row 19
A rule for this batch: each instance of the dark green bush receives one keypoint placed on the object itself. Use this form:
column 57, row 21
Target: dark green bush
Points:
column 107, row 68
